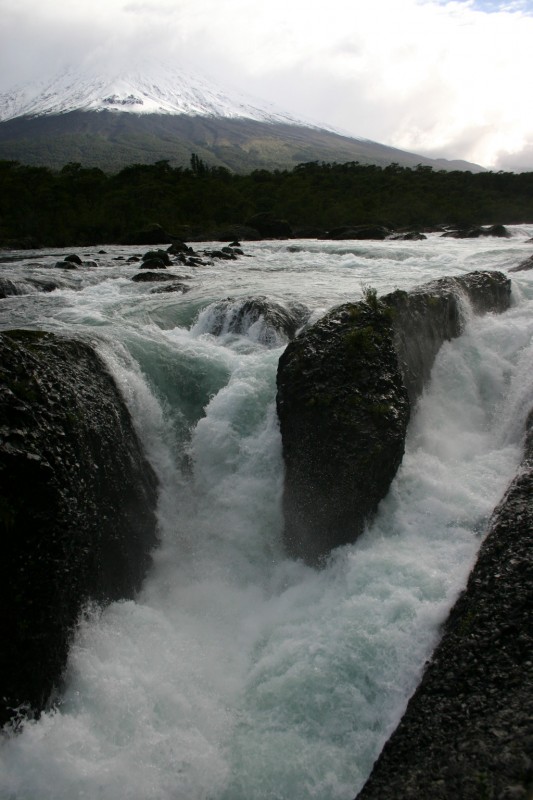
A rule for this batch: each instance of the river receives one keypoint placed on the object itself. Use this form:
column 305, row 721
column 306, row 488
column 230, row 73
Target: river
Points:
column 237, row 673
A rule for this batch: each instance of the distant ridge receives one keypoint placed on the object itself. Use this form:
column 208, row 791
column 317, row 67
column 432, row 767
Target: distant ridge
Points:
column 156, row 112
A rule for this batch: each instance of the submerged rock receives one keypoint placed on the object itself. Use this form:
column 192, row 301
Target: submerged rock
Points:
column 179, row 247
column 174, row 286
column 345, row 388
column 153, row 263
column 265, row 319
column 224, row 254
column 523, row 266
column 152, row 277
column 77, row 504
column 10, row 288
column 467, row 732
column 65, row 265
column 500, row 231
column 410, row 236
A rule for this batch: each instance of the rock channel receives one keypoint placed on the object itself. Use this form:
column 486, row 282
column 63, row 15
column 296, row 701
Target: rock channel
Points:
column 77, row 506
column 468, row 729
column 346, row 386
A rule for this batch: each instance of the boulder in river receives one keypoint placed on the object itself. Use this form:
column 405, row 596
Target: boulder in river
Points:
column 153, row 263
column 265, row 320
column 157, row 255
column 345, row 388
column 65, row 265
column 77, row 506
column 74, row 259
column 152, row 277
column 499, row 231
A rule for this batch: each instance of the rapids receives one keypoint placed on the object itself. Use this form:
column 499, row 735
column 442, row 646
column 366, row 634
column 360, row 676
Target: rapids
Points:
column 238, row 674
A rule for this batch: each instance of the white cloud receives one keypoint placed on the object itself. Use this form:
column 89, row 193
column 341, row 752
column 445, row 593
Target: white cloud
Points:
column 439, row 77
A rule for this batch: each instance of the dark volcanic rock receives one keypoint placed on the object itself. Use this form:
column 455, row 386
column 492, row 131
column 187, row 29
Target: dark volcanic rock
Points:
column 221, row 254
column 151, row 277
column 500, row 231
column 468, row 730
column 157, row 255
column 523, row 266
column 345, row 386
column 65, row 265
column 238, row 316
column 9, row 288
column 179, row 247
column 410, row 236
column 343, row 412
column 77, row 504
column 153, row 263
column 175, row 286
column 74, row 259
column 429, row 315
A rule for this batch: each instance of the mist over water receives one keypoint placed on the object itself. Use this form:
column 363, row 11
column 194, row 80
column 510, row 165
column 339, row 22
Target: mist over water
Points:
column 238, row 674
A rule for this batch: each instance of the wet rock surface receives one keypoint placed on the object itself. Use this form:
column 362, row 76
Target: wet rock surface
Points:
column 431, row 314
column 77, row 504
column 468, row 729
column 174, row 286
column 152, row 277
column 12, row 288
column 273, row 319
column 499, row 231
column 343, row 412
column 345, row 389
column 523, row 266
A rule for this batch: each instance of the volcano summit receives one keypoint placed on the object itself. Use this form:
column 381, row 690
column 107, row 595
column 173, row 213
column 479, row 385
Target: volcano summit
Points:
column 153, row 112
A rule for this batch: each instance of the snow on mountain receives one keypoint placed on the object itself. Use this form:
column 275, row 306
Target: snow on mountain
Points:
column 147, row 89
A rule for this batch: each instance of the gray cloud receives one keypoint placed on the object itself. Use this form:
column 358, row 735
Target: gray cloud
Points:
column 438, row 78
column 521, row 161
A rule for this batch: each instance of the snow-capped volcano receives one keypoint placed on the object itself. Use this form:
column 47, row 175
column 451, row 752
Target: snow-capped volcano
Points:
column 152, row 112
column 147, row 89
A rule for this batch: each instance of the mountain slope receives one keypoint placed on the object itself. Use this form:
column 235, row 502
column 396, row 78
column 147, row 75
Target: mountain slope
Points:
column 156, row 113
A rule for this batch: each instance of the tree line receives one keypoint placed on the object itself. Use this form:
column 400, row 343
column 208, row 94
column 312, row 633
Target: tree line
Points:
column 77, row 205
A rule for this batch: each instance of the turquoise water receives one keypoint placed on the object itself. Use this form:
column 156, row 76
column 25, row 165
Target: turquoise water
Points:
column 238, row 674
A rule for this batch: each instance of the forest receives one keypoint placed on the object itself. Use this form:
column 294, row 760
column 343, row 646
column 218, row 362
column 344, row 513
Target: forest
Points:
column 40, row 207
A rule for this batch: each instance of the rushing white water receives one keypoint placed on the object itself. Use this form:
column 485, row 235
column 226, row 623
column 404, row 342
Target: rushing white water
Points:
column 238, row 674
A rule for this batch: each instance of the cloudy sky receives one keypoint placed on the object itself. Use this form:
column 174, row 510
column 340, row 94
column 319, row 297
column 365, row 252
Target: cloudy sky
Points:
column 447, row 78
